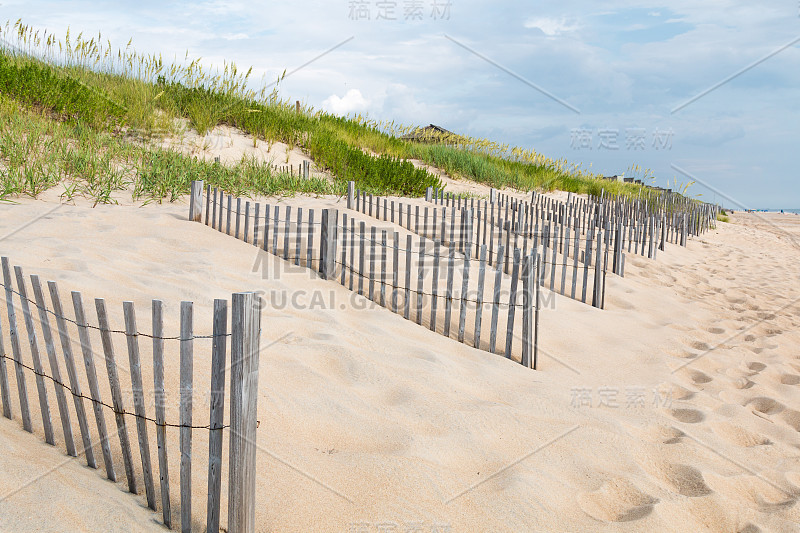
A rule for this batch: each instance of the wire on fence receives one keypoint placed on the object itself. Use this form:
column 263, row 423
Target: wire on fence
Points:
column 446, row 297
column 83, row 396
column 138, row 333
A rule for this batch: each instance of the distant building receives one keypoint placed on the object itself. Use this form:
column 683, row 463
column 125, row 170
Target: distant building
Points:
column 430, row 133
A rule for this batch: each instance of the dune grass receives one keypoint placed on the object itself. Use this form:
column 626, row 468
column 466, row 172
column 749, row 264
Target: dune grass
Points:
column 38, row 153
column 115, row 94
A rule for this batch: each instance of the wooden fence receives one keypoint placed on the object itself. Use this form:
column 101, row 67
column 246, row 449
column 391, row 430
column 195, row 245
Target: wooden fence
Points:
column 430, row 278
column 111, row 389
column 566, row 254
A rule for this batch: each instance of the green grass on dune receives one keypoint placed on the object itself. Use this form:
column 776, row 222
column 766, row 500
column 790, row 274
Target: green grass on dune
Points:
column 92, row 101
column 38, row 153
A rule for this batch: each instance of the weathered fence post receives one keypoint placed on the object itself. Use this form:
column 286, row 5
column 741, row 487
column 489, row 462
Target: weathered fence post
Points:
column 245, row 334
column 196, row 201
column 527, row 310
column 350, row 189
column 186, row 390
column 428, row 194
column 217, row 405
column 327, row 256
column 536, row 315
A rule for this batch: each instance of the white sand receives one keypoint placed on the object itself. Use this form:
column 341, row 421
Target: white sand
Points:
column 368, row 418
column 231, row 145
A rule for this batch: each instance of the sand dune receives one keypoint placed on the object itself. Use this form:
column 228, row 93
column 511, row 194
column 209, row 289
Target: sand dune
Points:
column 677, row 408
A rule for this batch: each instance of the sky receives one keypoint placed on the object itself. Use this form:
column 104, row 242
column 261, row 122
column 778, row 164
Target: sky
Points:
column 707, row 92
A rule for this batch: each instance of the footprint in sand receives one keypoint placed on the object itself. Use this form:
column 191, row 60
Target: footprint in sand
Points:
column 687, row 416
column 756, row 492
column 680, row 393
column 696, row 377
column 765, row 405
column 716, row 331
column 754, row 367
column 660, row 433
column 789, row 379
column 616, row 500
column 738, row 435
column 699, row 345
column 791, row 418
column 679, row 478
column 699, row 378
column 682, row 354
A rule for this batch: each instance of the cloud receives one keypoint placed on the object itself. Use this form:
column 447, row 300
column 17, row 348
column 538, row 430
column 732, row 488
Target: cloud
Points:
column 352, row 102
column 234, row 36
column 551, row 26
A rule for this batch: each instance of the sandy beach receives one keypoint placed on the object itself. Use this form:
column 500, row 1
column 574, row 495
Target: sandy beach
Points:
column 677, row 408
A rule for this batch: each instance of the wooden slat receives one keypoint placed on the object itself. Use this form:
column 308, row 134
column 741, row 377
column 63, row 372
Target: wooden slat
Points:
column 94, row 390
column 217, row 414
column 383, row 265
column 256, row 217
column 246, row 326
column 361, row 259
column 498, row 279
column 407, row 299
column 55, row 368
column 527, row 311
column 214, row 224
column 238, row 216
column 33, row 342
column 395, row 268
column 344, row 250
column 448, row 303
column 286, row 224
column 228, row 216
column 22, row 389
column 435, row 285
column 267, row 216
column 512, row 303
column 352, row 253
column 5, row 393
column 565, row 256
column 479, row 299
column 597, row 268
column 310, row 244
column 116, row 393
column 208, row 203
column 298, row 245
column 587, row 257
column 420, row 278
column 462, row 319
column 246, row 235
column 132, row 338
column 186, row 379
column 554, row 259
column 275, row 229
column 160, row 401
column 196, row 201
column 371, row 273
column 576, row 248
column 69, row 362
column 221, row 209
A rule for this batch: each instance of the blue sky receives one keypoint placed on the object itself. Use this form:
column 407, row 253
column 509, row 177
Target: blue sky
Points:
column 573, row 79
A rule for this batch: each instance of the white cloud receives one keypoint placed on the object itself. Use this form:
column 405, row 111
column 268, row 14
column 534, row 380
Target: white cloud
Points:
column 551, row 26
column 234, row 36
column 352, row 102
